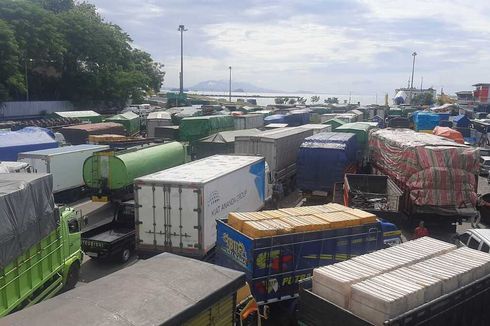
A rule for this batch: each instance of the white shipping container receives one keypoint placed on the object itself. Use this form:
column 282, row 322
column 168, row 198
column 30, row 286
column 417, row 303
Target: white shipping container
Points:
column 157, row 119
column 176, row 209
column 64, row 163
column 248, row 121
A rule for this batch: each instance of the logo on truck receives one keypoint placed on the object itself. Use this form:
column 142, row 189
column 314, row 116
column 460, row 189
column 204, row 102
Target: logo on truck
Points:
column 235, row 249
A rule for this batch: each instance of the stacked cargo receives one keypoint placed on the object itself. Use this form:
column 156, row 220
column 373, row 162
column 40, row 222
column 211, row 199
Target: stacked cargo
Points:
column 337, row 151
column 295, row 220
column 437, row 175
column 385, row 284
column 79, row 134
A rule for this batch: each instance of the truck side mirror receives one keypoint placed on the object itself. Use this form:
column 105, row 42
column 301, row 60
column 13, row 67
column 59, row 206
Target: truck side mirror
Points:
column 73, row 226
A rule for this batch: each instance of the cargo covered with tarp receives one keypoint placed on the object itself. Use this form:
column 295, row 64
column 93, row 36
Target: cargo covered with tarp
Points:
column 79, row 134
column 324, row 158
column 194, row 128
column 436, row 174
column 335, row 123
column 27, row 212
column 449, row 133
column 130, row 121
column 24, row 140
column 425, row 120
column 360, row 129
column 220, row 143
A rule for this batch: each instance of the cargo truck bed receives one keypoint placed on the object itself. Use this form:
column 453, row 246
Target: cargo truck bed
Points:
column 466, row 306
column 111, row 235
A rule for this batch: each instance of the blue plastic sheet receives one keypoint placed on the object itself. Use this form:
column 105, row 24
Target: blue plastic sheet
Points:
column 323, row 159
column 275, row 118
column 24, row 140
column 426, row 121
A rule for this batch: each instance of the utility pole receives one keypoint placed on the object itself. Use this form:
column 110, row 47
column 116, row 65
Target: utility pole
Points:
column 229, row 94
column 413, row 69
column 421, row 83
column 27, row 82
column 182, row 29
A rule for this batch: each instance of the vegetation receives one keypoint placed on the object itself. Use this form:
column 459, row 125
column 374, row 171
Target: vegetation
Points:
column 314, row 99
column 331, row 100
column 68, row 52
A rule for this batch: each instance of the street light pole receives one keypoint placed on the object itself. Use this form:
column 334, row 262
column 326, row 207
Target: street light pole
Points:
column 230, row 85
column 182, row 29
column 413, row 69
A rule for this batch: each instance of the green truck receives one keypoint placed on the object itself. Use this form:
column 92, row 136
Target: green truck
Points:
column 40, row 251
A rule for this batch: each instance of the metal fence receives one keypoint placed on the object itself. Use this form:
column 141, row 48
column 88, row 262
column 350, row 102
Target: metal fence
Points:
column 33, row 109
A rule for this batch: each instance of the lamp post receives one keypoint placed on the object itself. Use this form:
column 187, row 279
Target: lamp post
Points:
column 229, row 90
column 413, row 69
column 182, row 29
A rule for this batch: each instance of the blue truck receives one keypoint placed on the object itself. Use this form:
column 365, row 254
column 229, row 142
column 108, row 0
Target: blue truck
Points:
column 275, row 265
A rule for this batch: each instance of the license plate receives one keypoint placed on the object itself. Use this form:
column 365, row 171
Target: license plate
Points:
column 92, row 254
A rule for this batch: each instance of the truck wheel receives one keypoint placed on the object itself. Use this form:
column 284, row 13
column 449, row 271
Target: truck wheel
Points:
column 73, row 275
column 125, row 255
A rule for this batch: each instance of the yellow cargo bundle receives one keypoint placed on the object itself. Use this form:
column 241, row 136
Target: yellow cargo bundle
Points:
column 265, row 228
column 334, row 207
column 306, row 223
column 236, row 220
column 300, row 211
column 104, row 138
column 339, row 220
column 365, row 217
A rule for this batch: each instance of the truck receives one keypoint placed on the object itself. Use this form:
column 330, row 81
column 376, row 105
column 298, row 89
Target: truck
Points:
column 451, row 287
column 39, row 242
column 116, row 239
column 248, row 121
column 163, row 290
column 177, row 209
column 438, row 177
column 280, row 150
column 65, row 165
column 275, row 264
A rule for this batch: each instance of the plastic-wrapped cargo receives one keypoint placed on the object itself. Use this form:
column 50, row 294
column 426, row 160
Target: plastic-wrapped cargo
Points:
column 194, row 128
column 275, row 118
column 337, row 151
column 27, row 212
column 360, row 129
column 436, row 174
column 449, row 133
column 78, row 134
column 130, row 121
column 24, row 140
column 426, row 120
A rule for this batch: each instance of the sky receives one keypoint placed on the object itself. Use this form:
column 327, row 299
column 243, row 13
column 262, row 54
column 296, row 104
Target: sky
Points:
column 326, row 46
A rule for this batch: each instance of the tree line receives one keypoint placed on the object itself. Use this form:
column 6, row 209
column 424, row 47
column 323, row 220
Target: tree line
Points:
column 64, row 50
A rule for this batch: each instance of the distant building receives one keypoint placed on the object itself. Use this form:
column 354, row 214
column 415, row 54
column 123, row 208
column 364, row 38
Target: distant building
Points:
column 481, row 93
column 404, row 95
column 465, row 99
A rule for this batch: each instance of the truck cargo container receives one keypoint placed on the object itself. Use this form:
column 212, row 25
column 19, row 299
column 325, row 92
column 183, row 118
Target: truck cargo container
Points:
column 297, row 117
column 157, row 119
column 167, row 132
column 39, row 243
column 337, row 151
column 248, row 121
column 131, row 122
column 335, row 123
column 438, row 177
column 373, row 193
column 275, row 264
column 177, row 209
column 194, row 128
column 279, row 148
column 79, row 134
column 275, row 118
column 220, row 143
column 28, row 139
column 450, row 287
column 87, row 116
column 109, row 172
column 164, row 290
column 64, row 163
column 317, row 127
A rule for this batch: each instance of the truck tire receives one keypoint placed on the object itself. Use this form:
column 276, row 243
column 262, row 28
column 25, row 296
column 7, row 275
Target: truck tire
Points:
column 125, row 255
column 72, row 277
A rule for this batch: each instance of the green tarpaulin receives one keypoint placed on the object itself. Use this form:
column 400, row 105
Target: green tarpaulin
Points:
column 130, row 121
column 194, row 128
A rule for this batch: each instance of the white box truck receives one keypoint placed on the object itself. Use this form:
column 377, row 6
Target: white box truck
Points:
column 64, row 163
column 176, row 209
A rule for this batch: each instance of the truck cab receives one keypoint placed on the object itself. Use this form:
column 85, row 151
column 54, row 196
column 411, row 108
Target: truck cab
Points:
column 391, row 234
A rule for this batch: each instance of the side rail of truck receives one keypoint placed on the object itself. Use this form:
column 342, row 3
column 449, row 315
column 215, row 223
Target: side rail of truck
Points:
column 467, row 305
column 44, row 269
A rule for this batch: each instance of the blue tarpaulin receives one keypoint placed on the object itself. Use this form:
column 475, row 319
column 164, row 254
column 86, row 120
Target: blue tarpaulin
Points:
column 463, row 125
column 24, row 140
column 426, row 121
column 298, row 118
column 323, row 159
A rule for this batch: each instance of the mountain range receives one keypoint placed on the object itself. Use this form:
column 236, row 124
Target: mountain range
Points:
column 223, row 86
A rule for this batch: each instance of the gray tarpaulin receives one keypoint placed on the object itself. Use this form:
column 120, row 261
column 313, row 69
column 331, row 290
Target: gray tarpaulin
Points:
column 26, row 212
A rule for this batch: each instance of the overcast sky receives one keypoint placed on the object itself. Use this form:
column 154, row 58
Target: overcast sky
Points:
column 329, row 46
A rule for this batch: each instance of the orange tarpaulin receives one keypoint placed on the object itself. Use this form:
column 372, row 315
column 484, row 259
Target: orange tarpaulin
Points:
column 449, row 133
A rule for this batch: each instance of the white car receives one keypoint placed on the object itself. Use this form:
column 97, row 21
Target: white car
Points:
column 484, row 165
column 478, row 239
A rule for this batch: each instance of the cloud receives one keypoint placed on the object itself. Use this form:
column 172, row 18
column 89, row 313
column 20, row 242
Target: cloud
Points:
column 334, row 46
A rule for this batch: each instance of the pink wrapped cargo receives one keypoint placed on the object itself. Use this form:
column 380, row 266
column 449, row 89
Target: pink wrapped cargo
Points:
column 438, row 176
